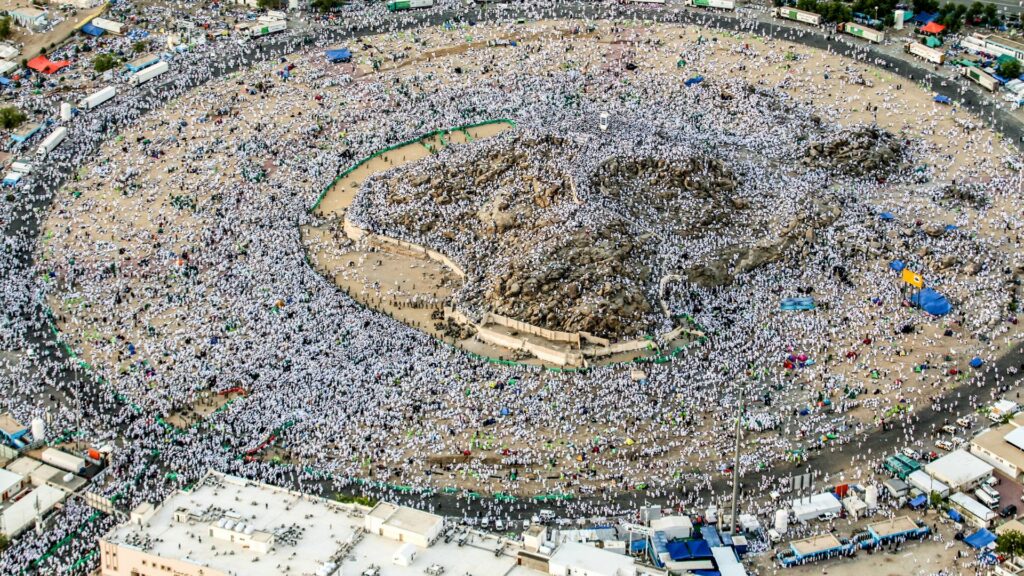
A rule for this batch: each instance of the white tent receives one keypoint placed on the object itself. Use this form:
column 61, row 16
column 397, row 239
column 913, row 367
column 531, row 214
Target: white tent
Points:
column 925, row 483
column 959, row 470
column 805, row 509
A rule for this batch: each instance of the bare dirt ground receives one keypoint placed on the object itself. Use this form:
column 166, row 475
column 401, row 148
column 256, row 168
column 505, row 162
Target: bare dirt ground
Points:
column 34, row 42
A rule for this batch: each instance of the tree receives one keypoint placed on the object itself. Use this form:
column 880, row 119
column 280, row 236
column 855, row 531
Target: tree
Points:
column 975, row 11
column 808, row 5
column 4, row 542
column 139, row 46
column 269, row 4
column 104, row 62
column 327, row 5
column 5, row 27
column 11, row 117
column 991, row 16
column 1010, row 543
column 935, row 500
column 1011, row 69
column 926, row 5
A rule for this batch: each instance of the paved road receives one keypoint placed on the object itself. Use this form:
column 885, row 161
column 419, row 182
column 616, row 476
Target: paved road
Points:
column 833, row 463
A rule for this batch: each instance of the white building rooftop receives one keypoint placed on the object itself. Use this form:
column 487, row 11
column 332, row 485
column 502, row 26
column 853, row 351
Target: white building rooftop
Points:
column 572, row 558
column 23, row 513
column 304, row 532
column 958, row 468
column 9, row 480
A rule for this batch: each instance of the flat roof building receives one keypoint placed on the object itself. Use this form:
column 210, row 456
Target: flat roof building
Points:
column 15, row 518
column 573, row 558
column 10, row 484
column 404, row 524
column 959, row 470
column 39, row 474
column 29, row 17
column 973, row 511
column 1002, row 448
column 231, row 526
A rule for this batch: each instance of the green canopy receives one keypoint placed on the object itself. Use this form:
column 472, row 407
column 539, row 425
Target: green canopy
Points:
column 932, row 42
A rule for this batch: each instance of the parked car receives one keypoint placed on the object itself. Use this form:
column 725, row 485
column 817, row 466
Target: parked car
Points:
column 944, row 445
column 1008, row 511
column 957, row 441
column 950, row 428
column 965, row 422
column 911, row 453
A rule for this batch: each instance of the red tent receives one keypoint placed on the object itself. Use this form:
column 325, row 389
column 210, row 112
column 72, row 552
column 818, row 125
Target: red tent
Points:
column 932, row 28
column 45, row 65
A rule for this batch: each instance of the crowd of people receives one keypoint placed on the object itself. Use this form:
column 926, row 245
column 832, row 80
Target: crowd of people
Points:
column 171, row 259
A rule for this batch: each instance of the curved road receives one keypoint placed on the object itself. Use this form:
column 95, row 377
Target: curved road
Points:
column 43, row 341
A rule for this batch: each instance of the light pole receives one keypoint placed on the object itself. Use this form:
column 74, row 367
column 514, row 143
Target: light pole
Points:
column 736, row 465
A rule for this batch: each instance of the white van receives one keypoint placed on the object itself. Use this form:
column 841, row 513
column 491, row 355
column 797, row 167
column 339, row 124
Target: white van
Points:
column 987, row 499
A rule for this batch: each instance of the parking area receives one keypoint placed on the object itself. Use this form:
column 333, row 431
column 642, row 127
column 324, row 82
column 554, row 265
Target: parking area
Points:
column 1009, row 490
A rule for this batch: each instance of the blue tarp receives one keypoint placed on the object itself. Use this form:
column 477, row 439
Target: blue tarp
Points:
column 680, row 550
column 887, row 216
column 980, row 539
column 919, row 501
column 931, row 302
column 694, row 80
column 897, row 265
column 955, row 516
column 976, row 362
column 710, row 535
column 700, row 549
column 93, row 30
column 638, row 545
column 339, row 55
column 677, row 550
column 797, row 304
column 925, row 17
column 942, row 99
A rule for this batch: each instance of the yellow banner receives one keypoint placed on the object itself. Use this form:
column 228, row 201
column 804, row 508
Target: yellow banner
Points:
column 913, row 278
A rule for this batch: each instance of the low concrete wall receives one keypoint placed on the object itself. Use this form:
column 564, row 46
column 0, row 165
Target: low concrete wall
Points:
column 356, row 234
column 520, row 326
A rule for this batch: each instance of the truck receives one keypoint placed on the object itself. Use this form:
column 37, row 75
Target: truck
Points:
column 147, row 74
column 95, row 99
column 988, row 83
column 854, row 29
column 723, row 4
column 142, row 62
column 987, row 498
column 798, row 15
column 403, row 5
column 930, row 54
column 266, row 28
column 63, row 460
column 1000, row 408
column 108, row 25
column 51, row 142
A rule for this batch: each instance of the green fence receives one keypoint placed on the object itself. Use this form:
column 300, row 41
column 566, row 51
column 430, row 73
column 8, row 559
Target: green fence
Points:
column 421, row 138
